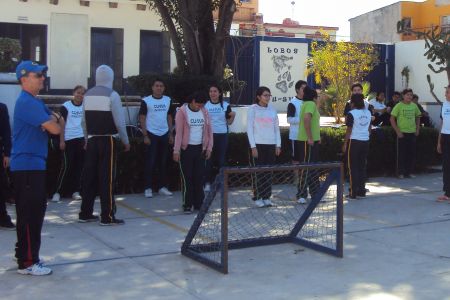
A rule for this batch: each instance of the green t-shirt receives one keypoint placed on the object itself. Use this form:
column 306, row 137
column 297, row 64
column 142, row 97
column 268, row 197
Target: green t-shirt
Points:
column 406, row 115
column 311, row 108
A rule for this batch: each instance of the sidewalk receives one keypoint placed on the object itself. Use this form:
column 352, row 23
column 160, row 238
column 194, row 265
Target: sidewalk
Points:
column 396, row 246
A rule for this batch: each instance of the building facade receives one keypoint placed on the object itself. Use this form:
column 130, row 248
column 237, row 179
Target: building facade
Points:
column 380, row 25
column 74, row 37
column 288, row 28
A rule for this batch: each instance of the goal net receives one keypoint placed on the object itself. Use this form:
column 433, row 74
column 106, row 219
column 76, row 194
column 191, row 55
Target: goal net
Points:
column 256, row 206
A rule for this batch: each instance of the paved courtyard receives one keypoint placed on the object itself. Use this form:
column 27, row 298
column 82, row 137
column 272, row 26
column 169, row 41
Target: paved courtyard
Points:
column 396, row 246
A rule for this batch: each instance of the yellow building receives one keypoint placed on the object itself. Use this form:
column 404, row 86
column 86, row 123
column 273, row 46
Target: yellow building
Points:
column 380, row 25
column 423, row 15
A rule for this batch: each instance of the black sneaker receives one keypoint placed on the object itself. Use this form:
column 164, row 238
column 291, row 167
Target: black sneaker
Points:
column 89, row 219
column 113, row 222
column 187, row 210
column 7, row 224
column 353, row 197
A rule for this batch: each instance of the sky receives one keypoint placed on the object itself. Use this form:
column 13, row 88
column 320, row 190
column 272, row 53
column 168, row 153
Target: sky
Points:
column 334, row 13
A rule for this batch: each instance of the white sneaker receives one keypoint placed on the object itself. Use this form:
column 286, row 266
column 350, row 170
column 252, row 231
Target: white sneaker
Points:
column 76, row 196
column 207, row 187
column 56, row 197
column 260, row 203
column 301, row 201
column 37, row 270
column 148, row 193
column 267, row 203
column 164, row 191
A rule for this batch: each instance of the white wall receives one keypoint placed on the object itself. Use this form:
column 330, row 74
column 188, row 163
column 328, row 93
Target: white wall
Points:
column 98, row 14
column 410, row 54
column 67, row 33
column 378, row 26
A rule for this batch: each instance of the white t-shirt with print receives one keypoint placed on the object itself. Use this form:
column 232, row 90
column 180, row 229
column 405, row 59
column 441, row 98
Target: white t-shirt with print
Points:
column 157, row 111
column 217, row 114
column 445, row 115
column 73, row 127
column 196, row 122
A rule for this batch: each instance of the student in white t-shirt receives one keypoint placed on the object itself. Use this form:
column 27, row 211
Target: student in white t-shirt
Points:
column 264, row 137
column 221, row 116
column 380, row 113
column 71, row 144
column 294, row 109
column 443, row 145
column 356, row 145
column 155, row 117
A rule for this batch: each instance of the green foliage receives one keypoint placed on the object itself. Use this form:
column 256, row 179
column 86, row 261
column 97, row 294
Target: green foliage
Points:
column 366, row 90
column 178, row 86
column 10, row 52
column 380, row 162
column 339, row 65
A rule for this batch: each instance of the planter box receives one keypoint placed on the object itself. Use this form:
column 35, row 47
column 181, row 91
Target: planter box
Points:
column 8, row 78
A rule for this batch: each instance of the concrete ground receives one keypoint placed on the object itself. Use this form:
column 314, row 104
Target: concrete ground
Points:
column 396, row 246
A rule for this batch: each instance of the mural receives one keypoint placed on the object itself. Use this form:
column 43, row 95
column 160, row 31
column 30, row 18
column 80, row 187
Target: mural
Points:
column 281, row 65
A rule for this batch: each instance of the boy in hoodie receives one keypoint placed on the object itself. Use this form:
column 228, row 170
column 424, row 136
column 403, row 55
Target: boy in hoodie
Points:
column 193, row 144
column 102, row 120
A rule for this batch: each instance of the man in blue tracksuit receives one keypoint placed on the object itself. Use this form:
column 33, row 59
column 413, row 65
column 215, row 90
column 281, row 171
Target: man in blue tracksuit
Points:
column 32, row 123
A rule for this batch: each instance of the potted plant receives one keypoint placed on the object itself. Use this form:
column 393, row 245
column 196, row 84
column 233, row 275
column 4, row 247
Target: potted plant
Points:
column 10, row 52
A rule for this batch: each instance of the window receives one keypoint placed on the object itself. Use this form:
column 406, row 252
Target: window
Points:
column 445, row 23
column 406, row 23
column 33, row 39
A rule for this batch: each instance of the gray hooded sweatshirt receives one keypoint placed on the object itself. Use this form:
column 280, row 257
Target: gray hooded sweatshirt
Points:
column 103, row 115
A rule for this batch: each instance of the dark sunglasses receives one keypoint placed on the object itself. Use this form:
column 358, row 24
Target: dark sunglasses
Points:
column 36, row 75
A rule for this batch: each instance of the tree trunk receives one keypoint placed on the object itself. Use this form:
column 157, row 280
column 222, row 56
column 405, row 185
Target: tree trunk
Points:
column 176, row 42
column 227, row 9
column 206, row 36
column 188, row 20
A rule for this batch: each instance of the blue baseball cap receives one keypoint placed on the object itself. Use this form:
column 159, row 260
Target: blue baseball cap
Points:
column 28, row 66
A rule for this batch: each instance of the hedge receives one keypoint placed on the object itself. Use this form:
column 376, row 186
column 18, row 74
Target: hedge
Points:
column 381, row 159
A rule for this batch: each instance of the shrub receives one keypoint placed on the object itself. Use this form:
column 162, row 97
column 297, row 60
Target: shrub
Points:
column 381, row 159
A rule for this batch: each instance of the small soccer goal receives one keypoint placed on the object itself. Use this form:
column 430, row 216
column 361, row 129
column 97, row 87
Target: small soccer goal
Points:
column 256, row 206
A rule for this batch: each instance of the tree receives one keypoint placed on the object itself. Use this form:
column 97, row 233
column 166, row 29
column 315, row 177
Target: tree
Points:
column 437, row 50
column 337, row 65
column 198, row 42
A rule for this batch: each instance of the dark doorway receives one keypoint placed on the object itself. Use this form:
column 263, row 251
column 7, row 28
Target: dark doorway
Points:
column 107, row 49
column 154, row 52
